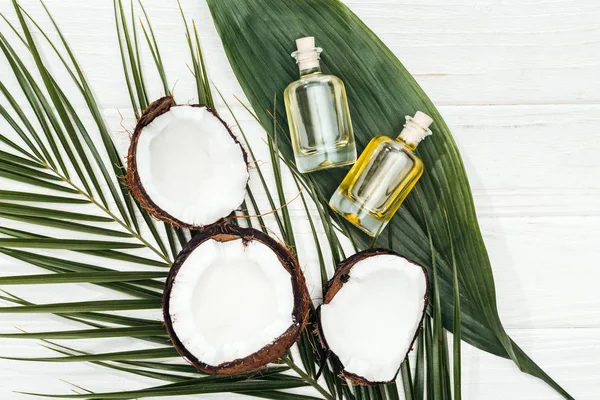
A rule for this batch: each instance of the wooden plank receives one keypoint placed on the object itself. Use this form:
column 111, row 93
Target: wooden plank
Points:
column 491, row 52
column 534, row 169
column 571, row 356
column 494, row 52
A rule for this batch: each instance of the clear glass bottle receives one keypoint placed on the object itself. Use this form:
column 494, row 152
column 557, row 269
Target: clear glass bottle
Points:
column 383, row 176
column 318, row 115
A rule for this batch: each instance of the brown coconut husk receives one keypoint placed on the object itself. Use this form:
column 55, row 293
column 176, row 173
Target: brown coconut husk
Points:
column 132, row 179
column 333, row 287
column 224, row 232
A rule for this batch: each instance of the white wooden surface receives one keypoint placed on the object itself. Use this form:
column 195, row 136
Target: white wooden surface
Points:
column 519, row 84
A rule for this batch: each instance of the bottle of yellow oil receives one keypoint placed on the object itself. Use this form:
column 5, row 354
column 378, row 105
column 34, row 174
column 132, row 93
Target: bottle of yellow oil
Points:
column 383, row 176
column 318, row 115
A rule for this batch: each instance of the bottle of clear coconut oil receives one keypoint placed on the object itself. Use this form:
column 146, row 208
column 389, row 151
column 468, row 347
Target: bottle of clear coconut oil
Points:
column 318, row 115
column 385, row 173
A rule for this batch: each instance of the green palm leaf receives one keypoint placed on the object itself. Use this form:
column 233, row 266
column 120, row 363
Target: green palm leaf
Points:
column 21, row 161
column 41, row 198
column 153, row 46
column 82, row 277
column 196, row 386
column 115, row 255
column 120, row 365
column 86, row 317
column 33, row 211
column 80, row 81
column 165, row 352
column 24, row 178
column 258, row 35
column 138, row 331
column 19, row 168
column 67, row 244
column 37, row 156
column 84, row 306
column 163, row 366
column 67, row 266
column 68, row 225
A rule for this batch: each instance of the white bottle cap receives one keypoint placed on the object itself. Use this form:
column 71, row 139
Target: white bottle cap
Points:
column 305, row 43
column 307, row 55
column 422, row 119
column 416, row 128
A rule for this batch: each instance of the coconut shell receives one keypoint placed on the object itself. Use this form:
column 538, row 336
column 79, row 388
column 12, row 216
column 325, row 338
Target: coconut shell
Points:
column 132, row 178
column 335, row 284
column 224, row 232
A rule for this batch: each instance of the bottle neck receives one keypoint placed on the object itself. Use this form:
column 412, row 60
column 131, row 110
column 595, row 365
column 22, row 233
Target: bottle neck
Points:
column 411, row 146
column 311, row 69
column 413, row 133
column 308, row 60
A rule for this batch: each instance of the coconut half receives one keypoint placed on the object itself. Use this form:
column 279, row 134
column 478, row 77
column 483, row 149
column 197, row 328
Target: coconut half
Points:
column 185, row 166
column 234, row 301
column 371, row 314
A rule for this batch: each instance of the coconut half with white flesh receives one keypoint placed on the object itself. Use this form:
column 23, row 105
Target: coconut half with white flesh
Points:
column 185, row 166
column 371, row 314
column 235, row 300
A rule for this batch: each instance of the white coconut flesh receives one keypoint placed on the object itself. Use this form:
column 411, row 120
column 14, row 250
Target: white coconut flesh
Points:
column 230, row 299
column 190, row 166
column 371, row 321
